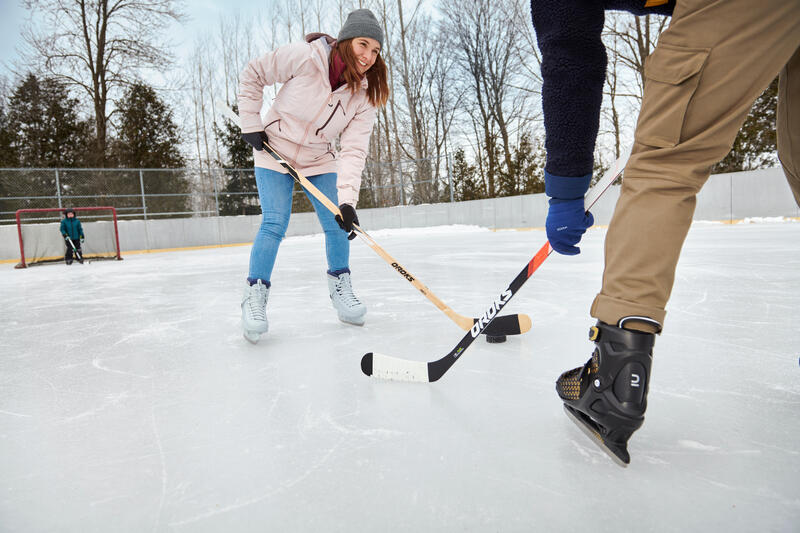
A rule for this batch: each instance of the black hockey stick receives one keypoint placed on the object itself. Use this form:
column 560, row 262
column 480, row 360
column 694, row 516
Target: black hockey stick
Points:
column 503, row 325
column 395, row 368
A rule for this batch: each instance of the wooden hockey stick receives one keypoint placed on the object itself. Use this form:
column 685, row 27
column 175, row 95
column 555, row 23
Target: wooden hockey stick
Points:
column 501, row 325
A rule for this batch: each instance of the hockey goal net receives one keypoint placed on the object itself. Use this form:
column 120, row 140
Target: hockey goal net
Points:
column 40, row 239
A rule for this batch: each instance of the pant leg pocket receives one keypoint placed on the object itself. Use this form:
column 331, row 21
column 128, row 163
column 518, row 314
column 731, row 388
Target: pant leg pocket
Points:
column 672, row 74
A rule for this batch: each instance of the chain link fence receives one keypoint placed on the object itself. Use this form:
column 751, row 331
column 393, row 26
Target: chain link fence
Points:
column 192, row 192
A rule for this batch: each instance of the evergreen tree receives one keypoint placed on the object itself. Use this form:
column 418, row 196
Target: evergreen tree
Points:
column 147, row 137
column 240, row 194
column 533, row 171
column 43, row 125
column 525, row 174
column 756, row 144
column 39, row 128
column 8, row 156
column 240, row 154
column 465, row 181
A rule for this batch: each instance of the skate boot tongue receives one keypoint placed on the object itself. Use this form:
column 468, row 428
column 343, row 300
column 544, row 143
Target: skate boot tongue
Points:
column 348, row 307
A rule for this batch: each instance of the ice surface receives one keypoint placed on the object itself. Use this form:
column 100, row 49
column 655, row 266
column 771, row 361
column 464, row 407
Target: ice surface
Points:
column 129, row 400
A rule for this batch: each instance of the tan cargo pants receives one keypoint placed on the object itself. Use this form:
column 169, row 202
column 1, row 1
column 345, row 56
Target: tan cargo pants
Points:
column 714, row 60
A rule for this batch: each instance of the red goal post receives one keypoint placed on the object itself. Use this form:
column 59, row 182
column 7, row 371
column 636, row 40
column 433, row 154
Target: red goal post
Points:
column 40, row 239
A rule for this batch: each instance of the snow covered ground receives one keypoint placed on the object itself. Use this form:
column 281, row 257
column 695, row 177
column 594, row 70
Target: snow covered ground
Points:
column 130, row 402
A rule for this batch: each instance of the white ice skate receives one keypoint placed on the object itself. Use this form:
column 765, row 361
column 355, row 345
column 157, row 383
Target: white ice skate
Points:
column 349, row 308
column 254, row 311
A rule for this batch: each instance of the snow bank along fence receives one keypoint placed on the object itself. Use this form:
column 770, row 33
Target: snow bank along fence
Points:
column 726, row 197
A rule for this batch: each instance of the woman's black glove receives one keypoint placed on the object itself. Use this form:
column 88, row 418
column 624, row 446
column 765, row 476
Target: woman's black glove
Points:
column 347, row 219
column 256, row 139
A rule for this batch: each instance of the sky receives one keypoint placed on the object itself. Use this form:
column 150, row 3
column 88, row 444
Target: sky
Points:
column 12, row 16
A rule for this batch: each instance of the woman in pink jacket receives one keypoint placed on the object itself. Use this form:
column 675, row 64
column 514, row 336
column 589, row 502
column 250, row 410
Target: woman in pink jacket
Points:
column 331, row 89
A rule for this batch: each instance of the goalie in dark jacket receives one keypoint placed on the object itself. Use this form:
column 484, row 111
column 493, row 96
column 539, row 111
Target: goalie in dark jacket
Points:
column 72, row 231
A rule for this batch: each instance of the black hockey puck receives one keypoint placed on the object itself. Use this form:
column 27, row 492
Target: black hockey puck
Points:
column 495, row 339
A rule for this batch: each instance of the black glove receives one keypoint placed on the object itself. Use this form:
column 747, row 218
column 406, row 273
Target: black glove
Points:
column 256, row 139
column 347, row 219
column 66, row 238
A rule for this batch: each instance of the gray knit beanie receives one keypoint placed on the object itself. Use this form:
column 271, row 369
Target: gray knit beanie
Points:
column 361, row 23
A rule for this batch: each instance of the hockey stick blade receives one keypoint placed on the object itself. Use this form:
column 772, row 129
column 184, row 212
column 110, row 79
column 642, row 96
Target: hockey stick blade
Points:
column 398, row 369
column 502, row 326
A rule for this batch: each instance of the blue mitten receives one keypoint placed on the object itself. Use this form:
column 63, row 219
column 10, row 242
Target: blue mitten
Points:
column 567, row 220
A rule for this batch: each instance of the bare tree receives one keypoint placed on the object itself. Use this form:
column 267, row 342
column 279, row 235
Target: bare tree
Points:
column 485, row 37
column 610, row 110
column 237, row 46
column 388, row 115
column 99, row 46
column 419, row 62
column 629, row 42
column 203, row 88
column 634, row 40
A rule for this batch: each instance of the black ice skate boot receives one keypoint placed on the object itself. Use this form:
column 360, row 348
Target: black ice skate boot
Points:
column 607, row 397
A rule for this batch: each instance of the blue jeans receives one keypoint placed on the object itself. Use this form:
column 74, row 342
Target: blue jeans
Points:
column 275, row 194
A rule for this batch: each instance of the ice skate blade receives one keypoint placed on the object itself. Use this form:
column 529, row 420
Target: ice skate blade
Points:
column 251, row 336
column 586, row 425
column 352, row 322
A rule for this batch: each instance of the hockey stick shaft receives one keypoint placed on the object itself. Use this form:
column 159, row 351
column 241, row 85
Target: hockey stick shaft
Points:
column 394, row 368
column 77, row 253
column 505, row 325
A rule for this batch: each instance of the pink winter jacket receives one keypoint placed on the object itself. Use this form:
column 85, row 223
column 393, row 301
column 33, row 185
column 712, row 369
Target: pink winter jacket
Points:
column 306, row 117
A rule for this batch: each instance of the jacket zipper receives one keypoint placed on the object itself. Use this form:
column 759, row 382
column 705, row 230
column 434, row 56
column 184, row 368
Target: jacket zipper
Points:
column 338, row 106
column 273, row 122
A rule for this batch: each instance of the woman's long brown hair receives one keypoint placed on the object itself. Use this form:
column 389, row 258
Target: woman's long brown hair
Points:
column 377, row 84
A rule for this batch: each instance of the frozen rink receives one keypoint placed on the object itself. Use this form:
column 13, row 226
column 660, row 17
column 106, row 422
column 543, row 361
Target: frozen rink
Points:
column 130, row 402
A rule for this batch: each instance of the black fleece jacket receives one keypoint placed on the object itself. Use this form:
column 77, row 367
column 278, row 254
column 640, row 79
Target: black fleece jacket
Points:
column 573, row 72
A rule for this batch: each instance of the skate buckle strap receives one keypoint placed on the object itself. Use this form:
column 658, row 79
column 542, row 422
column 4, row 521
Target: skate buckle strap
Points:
column 620, row 346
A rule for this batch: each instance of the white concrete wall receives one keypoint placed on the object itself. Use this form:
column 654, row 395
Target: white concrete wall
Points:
column 760, row 193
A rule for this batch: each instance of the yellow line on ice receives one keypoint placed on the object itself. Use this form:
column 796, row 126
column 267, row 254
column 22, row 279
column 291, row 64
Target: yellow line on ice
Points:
column 153, row 251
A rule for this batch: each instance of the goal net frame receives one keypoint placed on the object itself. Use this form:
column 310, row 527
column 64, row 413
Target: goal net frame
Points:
column 111, row 254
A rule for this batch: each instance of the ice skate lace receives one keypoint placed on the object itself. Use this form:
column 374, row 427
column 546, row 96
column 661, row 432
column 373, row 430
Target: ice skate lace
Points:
column 345, row 291
column 257, row 302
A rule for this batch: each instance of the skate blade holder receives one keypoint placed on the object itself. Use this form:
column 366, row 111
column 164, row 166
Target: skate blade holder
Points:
column 591, row 431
